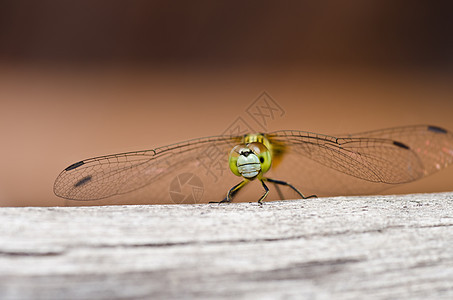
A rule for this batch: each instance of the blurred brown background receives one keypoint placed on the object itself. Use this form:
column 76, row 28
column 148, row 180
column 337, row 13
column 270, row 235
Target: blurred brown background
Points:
column 86, row 78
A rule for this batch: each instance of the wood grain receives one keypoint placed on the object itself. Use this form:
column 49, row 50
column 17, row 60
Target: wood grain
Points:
column 375, row 247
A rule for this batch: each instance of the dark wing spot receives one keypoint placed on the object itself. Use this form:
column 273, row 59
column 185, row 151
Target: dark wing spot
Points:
column 436, row 129
column 83, row 181
column 73, row 166
column 399, row 144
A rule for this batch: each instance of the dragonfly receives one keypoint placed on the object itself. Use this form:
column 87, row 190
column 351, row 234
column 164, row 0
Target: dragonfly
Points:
column 241, row 167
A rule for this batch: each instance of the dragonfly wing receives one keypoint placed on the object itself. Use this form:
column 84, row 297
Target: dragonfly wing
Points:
column 362, row 163
column 197, row 171
column 128, row 173
column 433, row 145
column 371, row 159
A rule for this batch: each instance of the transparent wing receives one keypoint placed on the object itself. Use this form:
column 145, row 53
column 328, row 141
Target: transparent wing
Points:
column 431, row 144
column 106, row 176
column 363, row 162
column 197, row 171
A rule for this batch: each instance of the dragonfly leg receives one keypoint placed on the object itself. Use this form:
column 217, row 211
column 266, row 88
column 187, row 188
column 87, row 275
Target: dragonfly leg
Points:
column 279, row 191
column 232, row 192
column 290, row 185
column 260, row 201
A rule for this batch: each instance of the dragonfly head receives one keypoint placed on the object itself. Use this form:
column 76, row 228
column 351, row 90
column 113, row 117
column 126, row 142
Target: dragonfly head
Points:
column 249, row 160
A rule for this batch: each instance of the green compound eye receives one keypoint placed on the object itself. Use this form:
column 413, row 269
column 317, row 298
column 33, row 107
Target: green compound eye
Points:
column 233, row 159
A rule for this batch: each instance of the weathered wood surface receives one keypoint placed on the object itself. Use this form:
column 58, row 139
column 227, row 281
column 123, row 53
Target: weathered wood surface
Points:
column 378, row 247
